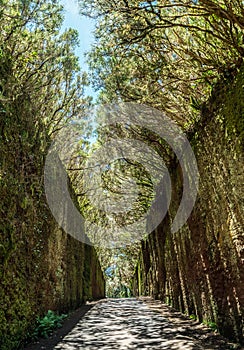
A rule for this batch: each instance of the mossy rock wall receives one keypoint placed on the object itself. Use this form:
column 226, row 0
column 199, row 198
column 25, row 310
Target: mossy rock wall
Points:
column 42, row 267
column 199, row 269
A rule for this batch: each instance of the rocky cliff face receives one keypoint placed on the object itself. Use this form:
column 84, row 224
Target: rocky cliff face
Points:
column 199, row 269
column 42, row 268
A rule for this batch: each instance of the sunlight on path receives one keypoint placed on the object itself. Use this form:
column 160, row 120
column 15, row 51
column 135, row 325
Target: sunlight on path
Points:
column 130, row 324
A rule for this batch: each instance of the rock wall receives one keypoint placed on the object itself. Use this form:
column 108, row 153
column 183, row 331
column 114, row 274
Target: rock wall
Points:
column 42, row 267
column 199, row 269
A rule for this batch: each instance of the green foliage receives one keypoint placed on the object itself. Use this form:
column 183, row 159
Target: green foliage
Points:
column 212, row 325
column 41, row 90
column 167, row 55
column 119, row 265
column 16, row 311
column 48, row 323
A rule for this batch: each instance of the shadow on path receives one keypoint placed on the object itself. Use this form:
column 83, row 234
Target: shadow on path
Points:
column 133, row 324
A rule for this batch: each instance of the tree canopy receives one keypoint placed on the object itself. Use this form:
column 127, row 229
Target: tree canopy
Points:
column 167, row 54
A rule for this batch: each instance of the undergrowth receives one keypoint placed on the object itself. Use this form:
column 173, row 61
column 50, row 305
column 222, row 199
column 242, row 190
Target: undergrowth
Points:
column 47, row 324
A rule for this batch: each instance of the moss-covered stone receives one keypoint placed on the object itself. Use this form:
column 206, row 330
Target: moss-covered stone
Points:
column 199, row 269
column 42, row 267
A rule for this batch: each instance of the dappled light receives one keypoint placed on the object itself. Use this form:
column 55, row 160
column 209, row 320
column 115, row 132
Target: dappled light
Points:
column 121, row 174
column 131, row 324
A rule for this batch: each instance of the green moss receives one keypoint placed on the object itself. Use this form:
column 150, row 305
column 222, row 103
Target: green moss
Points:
column 41, row 267
column 233, row 108
column 202, row 262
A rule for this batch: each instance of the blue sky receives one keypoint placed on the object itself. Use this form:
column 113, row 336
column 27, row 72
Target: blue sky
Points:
column 85, row 27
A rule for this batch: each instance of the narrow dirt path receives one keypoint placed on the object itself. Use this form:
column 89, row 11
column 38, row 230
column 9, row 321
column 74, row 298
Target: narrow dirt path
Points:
column 135, row 324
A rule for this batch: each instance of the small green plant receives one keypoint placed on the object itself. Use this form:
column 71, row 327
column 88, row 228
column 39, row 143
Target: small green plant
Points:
column 47, row 324
column 193, row 317
column 212, row 325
